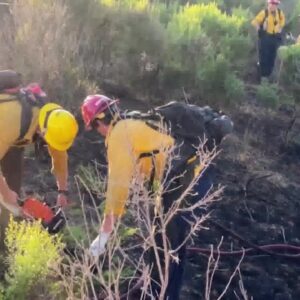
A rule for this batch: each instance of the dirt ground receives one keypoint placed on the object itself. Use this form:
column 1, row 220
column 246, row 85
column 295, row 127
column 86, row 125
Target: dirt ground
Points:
column 259, row 167
column 261, row 204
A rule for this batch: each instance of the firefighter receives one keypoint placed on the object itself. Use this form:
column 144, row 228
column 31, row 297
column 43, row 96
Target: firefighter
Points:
column 136, row 148
column 24, row 117
column 269, row 24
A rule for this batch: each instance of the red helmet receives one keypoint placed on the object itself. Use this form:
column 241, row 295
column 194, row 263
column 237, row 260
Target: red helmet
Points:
column 35, row 89
column 36, row 94
column 93, row 106
column 276, row 2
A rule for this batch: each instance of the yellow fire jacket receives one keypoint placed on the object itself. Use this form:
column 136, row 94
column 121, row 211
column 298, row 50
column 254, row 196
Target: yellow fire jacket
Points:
column 273, row 23
column 10, row 122
column 125, row 142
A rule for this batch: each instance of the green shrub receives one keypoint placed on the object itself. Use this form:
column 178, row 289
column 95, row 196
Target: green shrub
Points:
column 40, row 45
column 190, row 21
column 267, row 94
column 75, row 236
column 92, row 179
column 206, row 46
column 289, row 76
column 136, row 5
column 212, row 76
column 31, row 252
column 234, row 89
column 139, row 44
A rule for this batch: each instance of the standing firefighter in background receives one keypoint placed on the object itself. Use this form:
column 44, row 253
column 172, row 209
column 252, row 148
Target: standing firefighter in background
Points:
column 269, row 24
column 135, row 147
column 24, row 117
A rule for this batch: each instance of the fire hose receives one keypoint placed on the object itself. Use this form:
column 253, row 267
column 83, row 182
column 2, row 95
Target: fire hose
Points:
column 269, row 249
column 54, row 221
column 266, row 249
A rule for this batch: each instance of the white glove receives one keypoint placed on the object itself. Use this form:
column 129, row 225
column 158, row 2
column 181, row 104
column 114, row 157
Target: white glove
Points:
column 97, row 247
column 14, row 209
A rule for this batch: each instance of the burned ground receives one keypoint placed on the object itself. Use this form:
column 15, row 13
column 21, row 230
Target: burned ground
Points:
column 259, row 168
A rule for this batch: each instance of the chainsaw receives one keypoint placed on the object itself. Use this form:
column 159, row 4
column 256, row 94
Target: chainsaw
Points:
column 53, row 221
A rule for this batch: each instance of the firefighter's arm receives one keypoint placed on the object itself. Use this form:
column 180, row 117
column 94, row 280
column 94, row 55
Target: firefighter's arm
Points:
column 282, row 20
column 120, row 170
column 258, row 20
column 60, row 171
column 120, row 173
column 8, row 198
column 126, row 141
column 98, row 245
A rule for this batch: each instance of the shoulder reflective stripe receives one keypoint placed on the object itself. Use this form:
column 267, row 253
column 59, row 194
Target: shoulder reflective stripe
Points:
column 192, row 159
column 198, row 169
column 148, row 154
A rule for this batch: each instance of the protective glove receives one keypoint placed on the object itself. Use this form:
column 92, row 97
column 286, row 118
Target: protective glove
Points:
column 97, row 247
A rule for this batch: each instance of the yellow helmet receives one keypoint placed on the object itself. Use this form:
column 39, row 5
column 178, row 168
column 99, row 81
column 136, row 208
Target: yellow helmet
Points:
column 58, row 126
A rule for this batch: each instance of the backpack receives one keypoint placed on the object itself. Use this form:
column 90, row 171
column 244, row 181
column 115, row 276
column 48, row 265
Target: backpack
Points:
column 9, row 88
column 9, row 79
column 27, row 104
column 189, row 125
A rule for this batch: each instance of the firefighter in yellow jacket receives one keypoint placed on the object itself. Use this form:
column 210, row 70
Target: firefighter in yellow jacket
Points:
column 140, row 150
column 269, row 24
column 126, row 141
column 24, row 115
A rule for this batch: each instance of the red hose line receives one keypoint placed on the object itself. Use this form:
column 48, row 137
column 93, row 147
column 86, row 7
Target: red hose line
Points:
column 262, row 248
column 267, row 249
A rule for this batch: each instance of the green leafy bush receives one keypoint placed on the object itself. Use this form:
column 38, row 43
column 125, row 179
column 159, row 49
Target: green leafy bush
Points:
column 31, row 252
column 289, row 76
column 136, row 5
column 147, row 47
column 92, row 179
column 40, row 45
column 205, row 45
column 75, row 236
column 267, row 94
column 234, row 89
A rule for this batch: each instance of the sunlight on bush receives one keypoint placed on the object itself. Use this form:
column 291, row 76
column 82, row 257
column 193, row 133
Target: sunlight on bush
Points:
column 189, row 22
column 206, row 46
column 136, row 5
column 31, row 252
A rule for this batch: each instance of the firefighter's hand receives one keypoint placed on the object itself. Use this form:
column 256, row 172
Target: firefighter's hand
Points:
column 62, row 200
column 11, row 197
column 10, row 201
column 97, row 247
